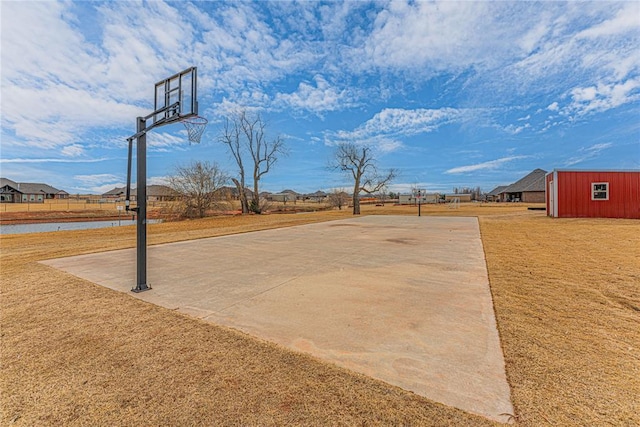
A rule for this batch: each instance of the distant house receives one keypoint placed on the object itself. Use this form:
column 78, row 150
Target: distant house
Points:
column 284, row 196
column 161, row 193
column 529, row 189
column 494, row 195
column 318, row 196
column 231, row 193
column 593, row 194
column 155, row 193
column 28, row 192
column 118, row 193
column 281, row 197
column 294, row 194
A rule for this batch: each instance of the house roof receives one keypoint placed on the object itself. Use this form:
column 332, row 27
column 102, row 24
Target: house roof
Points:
column 532, row 182
column 233, row 191
column 160, row 190
column 5, row 181
column 152, row 190
column 290, row 192
column 115, row 192
column 29, row 187
column 498, row 190
column 156, row 191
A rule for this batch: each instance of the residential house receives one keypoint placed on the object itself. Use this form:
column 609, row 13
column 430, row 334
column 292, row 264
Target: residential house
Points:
column 494, row 195
column 529, row 189
column 28, row 192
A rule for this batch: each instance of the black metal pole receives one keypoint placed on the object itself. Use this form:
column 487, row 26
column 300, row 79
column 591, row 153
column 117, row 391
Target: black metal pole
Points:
column 141, row 228
column 127, row 196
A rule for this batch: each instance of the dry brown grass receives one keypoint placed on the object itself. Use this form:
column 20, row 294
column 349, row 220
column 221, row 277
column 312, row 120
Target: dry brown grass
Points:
column 567, row 300
column 73, row 353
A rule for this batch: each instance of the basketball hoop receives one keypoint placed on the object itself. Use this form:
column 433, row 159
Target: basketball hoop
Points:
column 195, row 127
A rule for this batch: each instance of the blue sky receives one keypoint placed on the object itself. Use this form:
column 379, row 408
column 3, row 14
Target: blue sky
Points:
column 449, row 93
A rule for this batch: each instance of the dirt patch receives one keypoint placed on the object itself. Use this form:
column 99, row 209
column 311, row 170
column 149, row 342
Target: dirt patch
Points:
column 402, row 241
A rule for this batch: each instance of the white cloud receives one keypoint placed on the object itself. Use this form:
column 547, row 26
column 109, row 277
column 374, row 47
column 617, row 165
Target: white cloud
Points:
column 492, row 164
column 51, row 160
column 72, row 150
column 97, row 179
column 386, row 129
column 388, row 145
column 50, row 68
column 603, row 96
column 625, row 20
column 158, row 180
column 397, row 121
column 318, row 98
column 435, row 35
column 241, row 52
column 162, row 141
column 514, row 130
column 602, row 51
column 57, row 85
column 553, row 106
column 588, row 153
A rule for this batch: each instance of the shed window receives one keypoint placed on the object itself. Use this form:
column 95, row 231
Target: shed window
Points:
column 599, row 191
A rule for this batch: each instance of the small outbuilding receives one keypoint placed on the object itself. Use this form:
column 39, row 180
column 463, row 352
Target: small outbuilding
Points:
column 460, row 197
column 593, row 194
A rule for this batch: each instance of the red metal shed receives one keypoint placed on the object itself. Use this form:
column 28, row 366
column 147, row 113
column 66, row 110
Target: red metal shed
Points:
column 593, row 194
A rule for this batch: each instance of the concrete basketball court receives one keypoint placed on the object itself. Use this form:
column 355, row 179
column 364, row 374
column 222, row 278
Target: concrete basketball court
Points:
column 402, row 299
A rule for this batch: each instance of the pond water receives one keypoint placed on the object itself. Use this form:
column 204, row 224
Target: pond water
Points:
column 63, row 226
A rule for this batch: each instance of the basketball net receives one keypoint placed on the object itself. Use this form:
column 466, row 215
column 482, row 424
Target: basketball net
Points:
column 195, row 128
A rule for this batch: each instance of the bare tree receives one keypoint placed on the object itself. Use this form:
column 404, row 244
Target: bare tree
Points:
column 245, row 137
column 338, row 198
column 358, row 162
column 232, row 137
column 197, row 184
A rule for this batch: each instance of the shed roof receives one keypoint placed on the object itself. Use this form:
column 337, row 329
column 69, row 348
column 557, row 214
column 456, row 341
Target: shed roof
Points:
column 532, row 182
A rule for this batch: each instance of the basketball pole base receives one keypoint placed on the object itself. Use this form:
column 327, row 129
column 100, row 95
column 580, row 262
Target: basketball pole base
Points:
column 141, row 288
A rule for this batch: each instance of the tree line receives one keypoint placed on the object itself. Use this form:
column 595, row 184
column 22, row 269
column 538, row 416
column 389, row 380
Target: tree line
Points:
column 245, row 137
